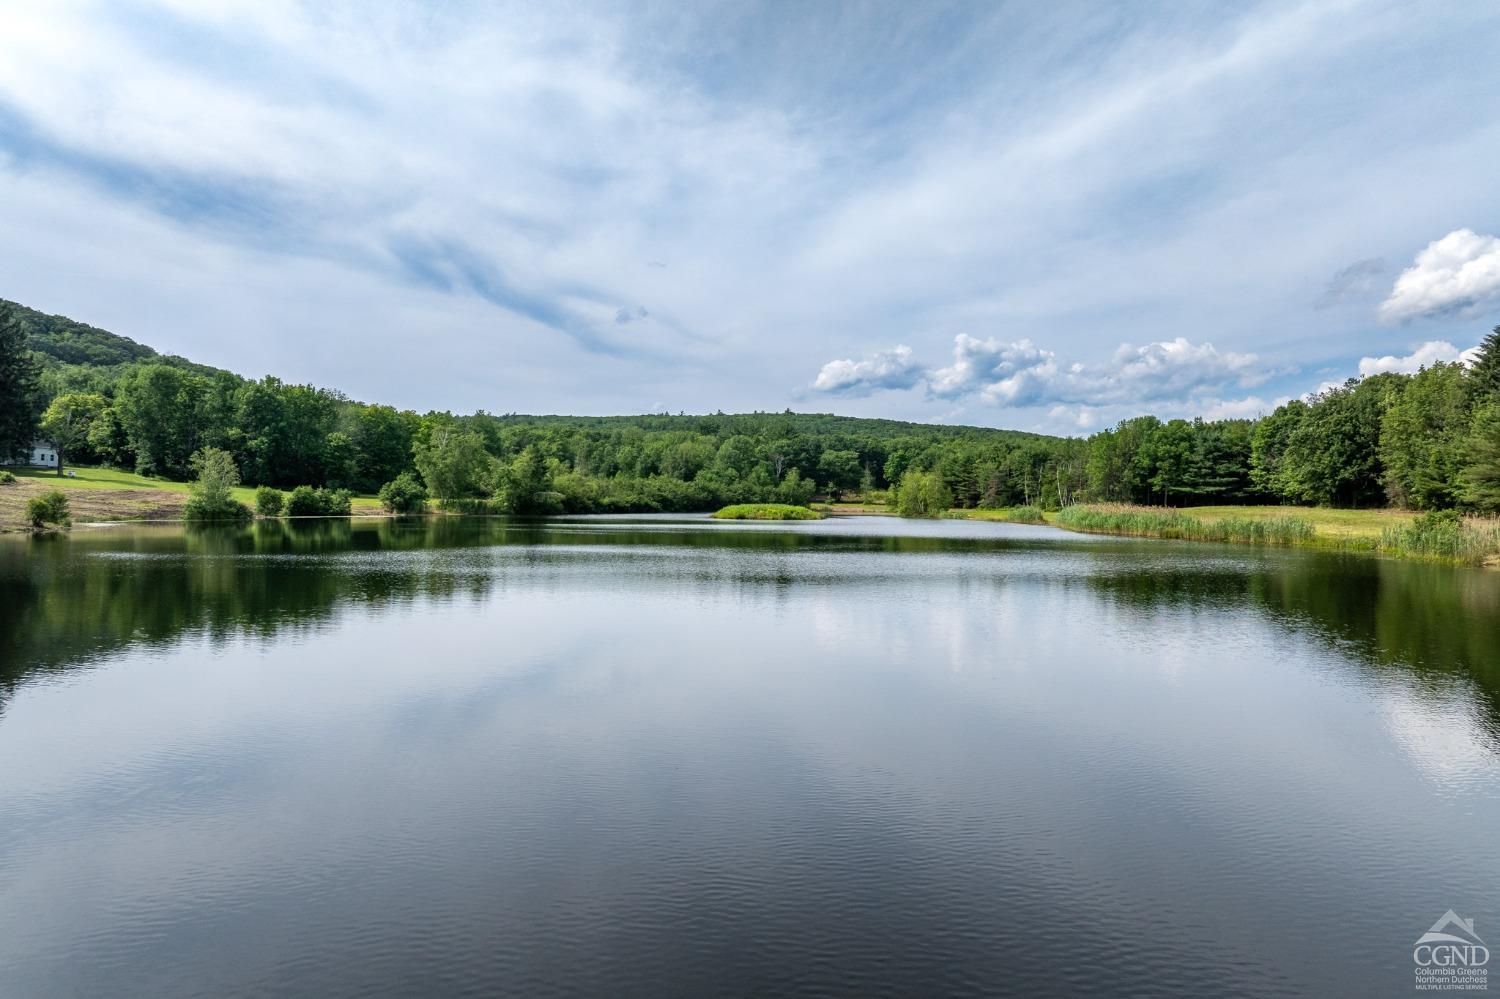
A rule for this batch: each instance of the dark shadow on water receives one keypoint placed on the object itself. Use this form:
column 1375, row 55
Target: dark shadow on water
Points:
column 67, row 602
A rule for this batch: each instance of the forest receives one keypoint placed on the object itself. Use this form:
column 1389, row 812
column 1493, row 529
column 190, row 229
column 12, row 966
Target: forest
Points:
column 1425, row 441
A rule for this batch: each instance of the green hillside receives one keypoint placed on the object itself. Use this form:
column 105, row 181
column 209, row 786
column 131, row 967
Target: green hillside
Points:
column 62, row 342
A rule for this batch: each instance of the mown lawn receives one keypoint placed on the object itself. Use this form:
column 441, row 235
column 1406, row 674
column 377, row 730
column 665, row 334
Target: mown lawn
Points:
column 114, row 478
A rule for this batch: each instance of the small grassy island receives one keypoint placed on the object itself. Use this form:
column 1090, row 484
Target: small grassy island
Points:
column 766, row 511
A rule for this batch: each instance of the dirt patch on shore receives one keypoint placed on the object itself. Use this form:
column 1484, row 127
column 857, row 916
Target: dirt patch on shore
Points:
column 89, row 504
column 103, row 505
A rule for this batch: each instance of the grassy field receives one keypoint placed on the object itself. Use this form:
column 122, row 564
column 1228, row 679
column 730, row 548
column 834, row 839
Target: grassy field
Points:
column 108, row 494
column 855, row 509
column 1353, row 524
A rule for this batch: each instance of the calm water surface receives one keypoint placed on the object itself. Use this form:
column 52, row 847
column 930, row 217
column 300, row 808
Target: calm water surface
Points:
column 665, row 756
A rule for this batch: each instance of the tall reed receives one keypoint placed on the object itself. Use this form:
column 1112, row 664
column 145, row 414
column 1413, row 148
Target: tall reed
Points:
column 1161, row 522
column 1443, row 534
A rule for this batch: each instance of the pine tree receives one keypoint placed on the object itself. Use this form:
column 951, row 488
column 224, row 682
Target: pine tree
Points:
column 18, row 386
column 1479, row 481
column 1484, row 377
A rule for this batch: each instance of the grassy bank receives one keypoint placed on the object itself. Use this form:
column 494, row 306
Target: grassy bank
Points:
column 1159, row 522
column 108, row 494
column 1445, row 535
column 766, row 511
column 1442, row 537
column 1329, row 523
column 1008, row 515
column 854, row 509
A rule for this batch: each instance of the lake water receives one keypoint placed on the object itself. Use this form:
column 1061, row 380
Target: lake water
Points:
column 667, row 756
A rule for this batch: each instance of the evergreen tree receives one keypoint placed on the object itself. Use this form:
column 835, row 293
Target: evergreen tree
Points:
column 1484, row 377
column 1479, row 482
column 18, row 386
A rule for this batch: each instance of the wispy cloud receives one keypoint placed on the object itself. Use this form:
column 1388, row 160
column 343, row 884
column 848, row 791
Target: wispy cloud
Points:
column 703, row 203
column 1358, row 280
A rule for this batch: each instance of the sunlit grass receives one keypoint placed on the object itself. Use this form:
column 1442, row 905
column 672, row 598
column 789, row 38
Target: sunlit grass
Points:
column 1328, row 522
column 766, row 511
column 1009, row 515
column 114, row 478
column 1163, row 522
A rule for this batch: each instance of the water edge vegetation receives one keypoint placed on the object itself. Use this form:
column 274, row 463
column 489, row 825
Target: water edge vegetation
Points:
column 766, row 511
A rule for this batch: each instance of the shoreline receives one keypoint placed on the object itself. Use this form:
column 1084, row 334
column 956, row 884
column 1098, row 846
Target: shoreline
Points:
column 1354, row 532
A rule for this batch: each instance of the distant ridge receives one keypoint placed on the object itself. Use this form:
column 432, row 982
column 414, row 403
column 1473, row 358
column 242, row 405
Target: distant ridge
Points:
column 59, row 341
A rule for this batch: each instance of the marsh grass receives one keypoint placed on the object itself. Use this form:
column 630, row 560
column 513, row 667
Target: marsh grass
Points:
column 1163, row 522
column 1443, row 534
column 766, row 511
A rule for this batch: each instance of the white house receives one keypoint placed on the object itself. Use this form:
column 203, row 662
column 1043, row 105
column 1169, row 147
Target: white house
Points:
column 43, row 454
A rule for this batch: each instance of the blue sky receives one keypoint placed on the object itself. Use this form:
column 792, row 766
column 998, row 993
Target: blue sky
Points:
column 1045, row 216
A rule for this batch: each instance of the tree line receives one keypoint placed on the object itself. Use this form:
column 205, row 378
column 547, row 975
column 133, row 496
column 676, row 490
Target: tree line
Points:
column 1430, row 440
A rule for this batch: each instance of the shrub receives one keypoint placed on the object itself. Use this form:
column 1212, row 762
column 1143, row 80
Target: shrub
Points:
column 49, row 511
column 1444, row 534
column 403, row 494
column 794, row 490
column 1025, row 515
column 922, row 494
column 306, row 501
column 268, row 501
column 6, row 478
column 213, row 492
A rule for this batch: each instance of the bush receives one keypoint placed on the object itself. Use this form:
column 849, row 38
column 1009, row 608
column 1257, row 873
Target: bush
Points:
column 48, row 511
column 1444, row 534
column 922, row 494
column 794, row 490
column 403, row 494
column 268, row 501
column 199, row 509
column 305, row 501
column 6, row 478
column 213, row 492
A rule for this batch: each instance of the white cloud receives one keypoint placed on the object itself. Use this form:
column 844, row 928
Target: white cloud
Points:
column 1249, row 407
column 885, row 369
column 1453, row 274
column 1081, row 417
column 992, row 366
column 1021, row 374
column 1425, row 356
